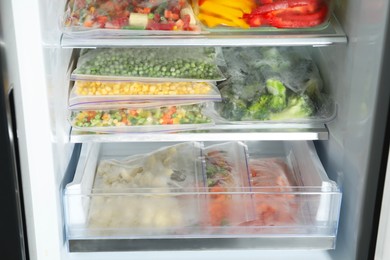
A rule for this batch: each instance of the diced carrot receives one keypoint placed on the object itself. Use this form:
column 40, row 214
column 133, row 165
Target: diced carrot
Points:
column 88, row 23
column 167, row 14
column 102, row 19
column 179, row 23
column 106, row 116
column 133, row 112
column 175, row 16
column 217, row 189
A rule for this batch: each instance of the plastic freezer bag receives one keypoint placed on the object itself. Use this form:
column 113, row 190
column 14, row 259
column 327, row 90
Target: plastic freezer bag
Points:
column 292, row 66
column 174, row 167
column 160, row 119
column 144, row 192
column 274, row 201
column 150, row 64
column 226, row 172
column 90, row 93
column 226, row 165
column 132, row 104
column 272, row 84
column 124, row 17
column 263, row 15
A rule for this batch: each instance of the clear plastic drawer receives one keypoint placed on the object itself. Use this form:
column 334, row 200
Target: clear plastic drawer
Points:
column 194, row 190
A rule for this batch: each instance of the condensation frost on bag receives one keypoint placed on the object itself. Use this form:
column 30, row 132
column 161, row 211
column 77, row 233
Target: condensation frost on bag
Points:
column 226, row 165
column 150, row 64
column 227, row 171
column 292, row 66
column 87, row 94
column 278, row 205
column 172, row 167
column 146, row 190
column 97, row 18
column 271, row 84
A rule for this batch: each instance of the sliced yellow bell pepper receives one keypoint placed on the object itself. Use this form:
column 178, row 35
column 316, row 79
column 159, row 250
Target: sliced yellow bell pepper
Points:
column 251, row 3
column 212, row 21
column 220, row 10
column 241, row 23
column 241, row 5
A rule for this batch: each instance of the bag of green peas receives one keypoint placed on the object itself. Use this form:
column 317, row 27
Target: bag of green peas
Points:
column 150, row 64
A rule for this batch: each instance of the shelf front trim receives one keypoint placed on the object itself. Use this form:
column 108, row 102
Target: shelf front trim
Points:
column 229, row 134
column 332, row 34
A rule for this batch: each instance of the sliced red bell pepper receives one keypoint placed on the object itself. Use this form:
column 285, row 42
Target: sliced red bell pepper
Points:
column 101, row 20
column 165, row 26
column 263, row 2
column 186, row 20
column 290, row 20
column 157, row 17
column 284, row 4
column 255, row 21
column 318, row 15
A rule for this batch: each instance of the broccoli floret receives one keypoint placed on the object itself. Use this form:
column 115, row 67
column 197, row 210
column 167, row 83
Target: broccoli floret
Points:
column 233, row 109
column 275, row 87
column 277, row 103
column 260, row 108
column 278, row 91
column 298, row 106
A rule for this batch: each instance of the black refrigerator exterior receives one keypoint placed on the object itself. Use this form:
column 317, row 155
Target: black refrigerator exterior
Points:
column 12, row 239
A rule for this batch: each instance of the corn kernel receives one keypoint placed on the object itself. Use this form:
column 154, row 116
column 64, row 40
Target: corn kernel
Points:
column 140, row 88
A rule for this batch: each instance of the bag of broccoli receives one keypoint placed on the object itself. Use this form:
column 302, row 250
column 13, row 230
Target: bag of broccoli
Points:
column 271, row 84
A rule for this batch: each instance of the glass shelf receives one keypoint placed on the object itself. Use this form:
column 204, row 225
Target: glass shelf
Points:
column 332, row 34
column 216, row 133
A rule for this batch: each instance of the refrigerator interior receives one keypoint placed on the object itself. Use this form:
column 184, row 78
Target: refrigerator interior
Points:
column 351, row 156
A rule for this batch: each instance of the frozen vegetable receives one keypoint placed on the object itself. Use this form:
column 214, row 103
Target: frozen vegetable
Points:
column 164, row 15
column 96, row 88
column 168, row 62
column 136, row 212
column 279, row 207
column 289, row 13
column 263, row 13
column 139, row 191
column 298, row 106
column 271, row 84
column 191, row 114
column 174, row 166
column 218, row 170
column 224, row 12
column 225, row 169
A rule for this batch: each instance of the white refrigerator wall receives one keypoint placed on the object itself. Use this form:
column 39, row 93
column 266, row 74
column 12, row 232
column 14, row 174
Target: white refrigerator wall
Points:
column 351, row 72
column 44, row 151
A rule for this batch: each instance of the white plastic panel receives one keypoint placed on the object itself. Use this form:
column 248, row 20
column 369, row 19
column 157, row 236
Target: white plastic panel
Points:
column 217, row 133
